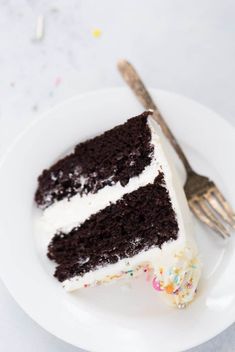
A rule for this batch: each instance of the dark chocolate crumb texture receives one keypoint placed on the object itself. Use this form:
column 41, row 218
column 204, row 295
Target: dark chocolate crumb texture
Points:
column 139, row 221
column 117, row 155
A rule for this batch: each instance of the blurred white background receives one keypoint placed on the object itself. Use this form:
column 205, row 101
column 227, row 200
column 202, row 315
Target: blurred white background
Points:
column 186, row 46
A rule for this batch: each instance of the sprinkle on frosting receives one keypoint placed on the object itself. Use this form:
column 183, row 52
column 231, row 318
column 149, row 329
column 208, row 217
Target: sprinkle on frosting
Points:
column 180, row 281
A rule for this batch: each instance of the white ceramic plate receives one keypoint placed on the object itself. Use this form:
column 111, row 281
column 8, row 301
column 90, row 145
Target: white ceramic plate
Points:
column 116, row 318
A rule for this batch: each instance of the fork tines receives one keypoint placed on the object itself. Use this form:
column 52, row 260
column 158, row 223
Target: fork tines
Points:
column 212, row 208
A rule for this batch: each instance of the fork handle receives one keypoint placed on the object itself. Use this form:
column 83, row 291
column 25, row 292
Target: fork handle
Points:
column 134, row 81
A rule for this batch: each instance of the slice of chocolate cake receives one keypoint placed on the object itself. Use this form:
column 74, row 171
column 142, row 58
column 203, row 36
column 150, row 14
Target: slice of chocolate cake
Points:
column 115, row 209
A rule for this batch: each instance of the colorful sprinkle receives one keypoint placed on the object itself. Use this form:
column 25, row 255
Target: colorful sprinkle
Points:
column 169, row 288
column 96, row 32
column 176, row 292
column 176, row 279
column 189, row 285
column 169, row 272
column 58, row 81
column 157, row 284
column 40, row 28
column 147, row 270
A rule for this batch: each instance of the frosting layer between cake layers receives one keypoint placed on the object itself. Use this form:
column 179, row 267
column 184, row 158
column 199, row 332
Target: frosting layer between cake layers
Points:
column 171, row 261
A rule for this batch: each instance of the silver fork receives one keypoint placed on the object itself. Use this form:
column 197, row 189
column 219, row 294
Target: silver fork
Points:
column 204, row 197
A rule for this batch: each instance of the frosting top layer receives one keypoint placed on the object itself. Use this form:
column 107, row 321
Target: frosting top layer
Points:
column 115, row 156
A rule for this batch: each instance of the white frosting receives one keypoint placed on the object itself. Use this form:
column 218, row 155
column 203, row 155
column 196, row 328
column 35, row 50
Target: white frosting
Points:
column 67, row 214
column 179, row 255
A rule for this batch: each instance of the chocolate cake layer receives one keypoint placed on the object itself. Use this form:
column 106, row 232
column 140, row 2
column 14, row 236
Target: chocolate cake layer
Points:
column 116, row 155
column 140, row 220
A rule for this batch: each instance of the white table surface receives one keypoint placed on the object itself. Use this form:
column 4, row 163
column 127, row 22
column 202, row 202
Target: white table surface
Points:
column 186, row 46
